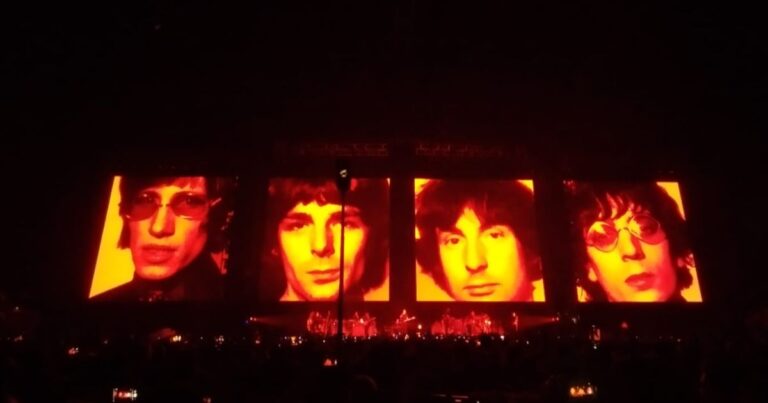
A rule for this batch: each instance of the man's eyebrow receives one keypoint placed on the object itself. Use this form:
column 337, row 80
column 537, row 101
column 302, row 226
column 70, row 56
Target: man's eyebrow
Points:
column 337, row 216
column 351, row 210
column 298, row 216
column 486, row 227
column 196, row 192
column 452, row 230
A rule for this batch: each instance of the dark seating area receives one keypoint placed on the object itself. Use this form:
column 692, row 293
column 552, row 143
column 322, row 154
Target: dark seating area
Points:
column 558, row 363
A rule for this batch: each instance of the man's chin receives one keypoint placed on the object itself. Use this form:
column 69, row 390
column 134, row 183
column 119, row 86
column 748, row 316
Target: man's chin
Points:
column 647, row 296
column 155, row 273
column 485, row 298
column 323, row 297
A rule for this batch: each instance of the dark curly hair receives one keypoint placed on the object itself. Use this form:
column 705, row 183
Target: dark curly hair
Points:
column 507, row 202
column 589, row 202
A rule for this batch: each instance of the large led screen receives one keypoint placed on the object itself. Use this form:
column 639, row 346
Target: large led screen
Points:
column 476, row 241
column 164, row 239
column 301, row 257
column 629, row 242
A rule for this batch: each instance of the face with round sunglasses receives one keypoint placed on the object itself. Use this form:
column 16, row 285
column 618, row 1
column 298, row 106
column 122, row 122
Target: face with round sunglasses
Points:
column 167, row 226
column 629, row 257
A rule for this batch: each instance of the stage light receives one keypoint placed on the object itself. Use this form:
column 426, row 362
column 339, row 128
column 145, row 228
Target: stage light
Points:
column 73, row 351
column 584, row 390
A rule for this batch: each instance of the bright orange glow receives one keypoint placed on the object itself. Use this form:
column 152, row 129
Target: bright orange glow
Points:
column 673, row 190
column 114, row 266
column 165, row 235
column 310, row 241
column 308, row 238
column 494, row 249
column 635, row 267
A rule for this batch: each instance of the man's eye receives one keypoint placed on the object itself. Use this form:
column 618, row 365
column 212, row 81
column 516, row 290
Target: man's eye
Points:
column 451, row 240
column 352, row 224
column 295, row 226
column 193, row 201
column 496, row 234
column 645, row 225
column 145, row 198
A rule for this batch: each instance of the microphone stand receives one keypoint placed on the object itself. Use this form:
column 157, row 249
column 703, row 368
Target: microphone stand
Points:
column 342, row 182
column 341, row 275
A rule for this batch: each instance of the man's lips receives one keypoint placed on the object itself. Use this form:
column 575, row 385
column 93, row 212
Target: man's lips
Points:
column 157, row 253
column 481, row 290
column 324, row 276
column 641, row 282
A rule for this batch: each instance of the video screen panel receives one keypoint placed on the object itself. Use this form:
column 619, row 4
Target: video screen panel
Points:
column 629, row 242
column 476, row 241
column 164, row 238
column 301, row 257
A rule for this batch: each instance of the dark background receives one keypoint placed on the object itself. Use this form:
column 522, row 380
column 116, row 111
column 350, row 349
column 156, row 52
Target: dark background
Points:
column 586, row 91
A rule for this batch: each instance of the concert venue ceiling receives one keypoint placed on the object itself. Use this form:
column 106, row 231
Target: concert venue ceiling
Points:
column 585, row 91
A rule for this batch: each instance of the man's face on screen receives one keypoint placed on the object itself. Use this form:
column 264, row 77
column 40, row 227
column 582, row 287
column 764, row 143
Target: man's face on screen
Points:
column 167, row 227
column 310, row 240
column 482, row 262
column 629, row 257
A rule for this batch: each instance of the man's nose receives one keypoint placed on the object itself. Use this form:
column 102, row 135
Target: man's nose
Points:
column 163, row 223
column 475, row 258
column 630, row 246
column 322, row 241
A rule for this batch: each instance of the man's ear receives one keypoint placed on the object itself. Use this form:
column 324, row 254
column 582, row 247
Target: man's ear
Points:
column 591, row 273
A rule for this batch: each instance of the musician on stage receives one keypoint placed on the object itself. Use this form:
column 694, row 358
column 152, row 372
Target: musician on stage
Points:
column 403, row 316
column 484, row 323
column 447, row 321
column 470, row 323
column 316, row 323
column 515, row 322
column 311, row 321
column 401, row 324
column 370, row 324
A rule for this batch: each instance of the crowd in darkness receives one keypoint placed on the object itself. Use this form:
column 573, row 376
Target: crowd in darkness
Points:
column 256, row 365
